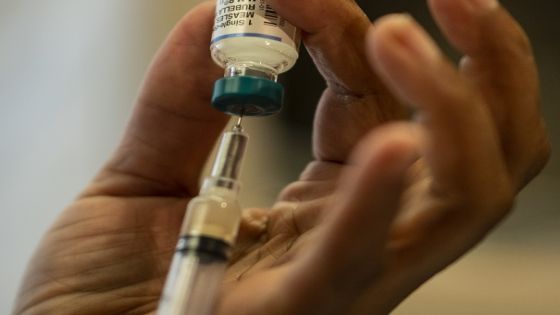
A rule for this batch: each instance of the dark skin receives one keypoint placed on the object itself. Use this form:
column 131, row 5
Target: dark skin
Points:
column 386, row 203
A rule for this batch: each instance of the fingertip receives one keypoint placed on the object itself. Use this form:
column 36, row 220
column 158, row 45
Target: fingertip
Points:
column 383, row 30
column 185, row 54
column 465, row 22
column 400, row 50
column 412, row 65
column 195, row 25
column 183, row 71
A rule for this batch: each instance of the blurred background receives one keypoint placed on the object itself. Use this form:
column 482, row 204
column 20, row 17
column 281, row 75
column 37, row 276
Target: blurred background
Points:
column 69, row 73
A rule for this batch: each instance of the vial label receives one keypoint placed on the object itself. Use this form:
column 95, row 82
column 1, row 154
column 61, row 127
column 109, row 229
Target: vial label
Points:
column 252, row 18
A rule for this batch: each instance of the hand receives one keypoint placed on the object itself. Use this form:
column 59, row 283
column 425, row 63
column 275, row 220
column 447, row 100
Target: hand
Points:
column 386, row 203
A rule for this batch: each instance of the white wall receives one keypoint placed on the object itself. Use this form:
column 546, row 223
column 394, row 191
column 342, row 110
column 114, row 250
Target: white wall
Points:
column 69, row 71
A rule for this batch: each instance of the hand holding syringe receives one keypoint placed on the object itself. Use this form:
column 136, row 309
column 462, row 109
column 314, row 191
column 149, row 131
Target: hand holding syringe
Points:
column 207, row 235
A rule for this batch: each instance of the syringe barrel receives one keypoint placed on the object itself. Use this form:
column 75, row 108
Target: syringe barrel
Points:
column 209, row 230
column 195, row 277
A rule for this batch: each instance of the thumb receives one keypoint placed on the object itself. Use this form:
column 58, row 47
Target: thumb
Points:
column 173, row 127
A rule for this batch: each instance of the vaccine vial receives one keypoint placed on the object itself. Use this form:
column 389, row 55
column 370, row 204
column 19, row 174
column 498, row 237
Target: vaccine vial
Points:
column 254, row 45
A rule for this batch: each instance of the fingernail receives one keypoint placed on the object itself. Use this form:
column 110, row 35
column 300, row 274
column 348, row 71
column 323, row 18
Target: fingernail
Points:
column 412, row 37
column 484, row 5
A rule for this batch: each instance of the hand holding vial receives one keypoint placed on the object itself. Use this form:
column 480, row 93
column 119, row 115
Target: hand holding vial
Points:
column 386, row 203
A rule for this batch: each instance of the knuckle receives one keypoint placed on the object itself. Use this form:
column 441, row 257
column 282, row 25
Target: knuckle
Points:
column 490, row 205
column 497, row 202
column 524, row 44
column 521, row 40
column 293, row 191
column 502, row 201
column 544, row 152
column 532, row 155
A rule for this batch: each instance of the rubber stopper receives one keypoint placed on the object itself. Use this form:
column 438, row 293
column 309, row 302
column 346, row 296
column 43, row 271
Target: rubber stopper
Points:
column 248, row 96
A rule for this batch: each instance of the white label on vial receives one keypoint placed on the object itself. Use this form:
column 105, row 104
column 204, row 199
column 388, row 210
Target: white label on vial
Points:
column 252, row 18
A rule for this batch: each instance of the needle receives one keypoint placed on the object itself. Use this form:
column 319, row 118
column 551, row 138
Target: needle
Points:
column 238, row 126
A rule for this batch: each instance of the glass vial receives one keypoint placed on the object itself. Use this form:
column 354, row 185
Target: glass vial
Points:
column 254, row 45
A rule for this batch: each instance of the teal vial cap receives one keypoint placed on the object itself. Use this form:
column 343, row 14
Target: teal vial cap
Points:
column 248, row 96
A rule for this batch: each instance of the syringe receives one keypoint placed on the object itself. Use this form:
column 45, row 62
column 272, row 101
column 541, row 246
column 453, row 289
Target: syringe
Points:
column 208, row 233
